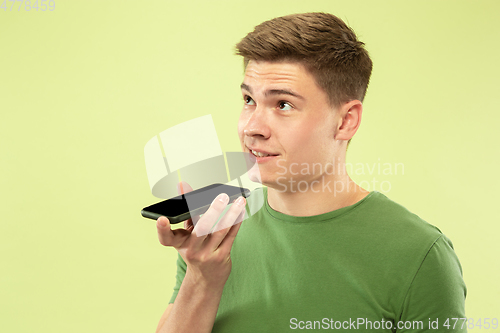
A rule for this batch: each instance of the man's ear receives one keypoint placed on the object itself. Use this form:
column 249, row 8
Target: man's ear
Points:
column 349, row 120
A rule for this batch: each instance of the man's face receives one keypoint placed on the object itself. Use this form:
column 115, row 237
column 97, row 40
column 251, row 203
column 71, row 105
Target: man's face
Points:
column 286, row 114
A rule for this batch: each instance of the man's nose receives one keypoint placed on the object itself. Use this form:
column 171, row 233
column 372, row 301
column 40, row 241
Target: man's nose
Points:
column 257, row 124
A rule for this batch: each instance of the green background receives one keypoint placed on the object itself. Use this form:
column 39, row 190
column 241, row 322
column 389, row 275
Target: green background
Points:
column 84, row 87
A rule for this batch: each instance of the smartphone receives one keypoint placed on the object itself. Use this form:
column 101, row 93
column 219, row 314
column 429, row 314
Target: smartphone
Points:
column 176, row 209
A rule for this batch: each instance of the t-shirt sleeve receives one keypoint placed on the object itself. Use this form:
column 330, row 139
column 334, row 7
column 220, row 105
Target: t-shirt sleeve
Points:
column 181, row 272
column 437, row 292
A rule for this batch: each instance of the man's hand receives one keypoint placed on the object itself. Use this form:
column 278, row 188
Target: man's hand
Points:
column 207, row 254
column 208, row 262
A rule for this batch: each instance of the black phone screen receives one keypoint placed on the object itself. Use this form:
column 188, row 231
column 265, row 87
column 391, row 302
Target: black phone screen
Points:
column 199, row 199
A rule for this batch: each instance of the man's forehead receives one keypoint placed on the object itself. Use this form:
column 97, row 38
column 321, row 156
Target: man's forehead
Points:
column 276, row 74
column 285, row 68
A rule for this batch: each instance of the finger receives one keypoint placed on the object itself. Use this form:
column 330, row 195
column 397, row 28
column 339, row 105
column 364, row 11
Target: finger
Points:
column 231, row 215
column 195, row 220
column 207, row 221
column 227, row 242
column 188, row 223
column 165, row 234
column 218, row 236
column 168, row 237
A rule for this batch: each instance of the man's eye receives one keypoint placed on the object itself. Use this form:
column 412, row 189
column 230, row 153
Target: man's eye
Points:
column 248, row 100
column 284, row 106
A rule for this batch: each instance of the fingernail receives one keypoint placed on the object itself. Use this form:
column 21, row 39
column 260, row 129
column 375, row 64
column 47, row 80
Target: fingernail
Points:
column 162, row 223
column 223, row 197
column 240, row 201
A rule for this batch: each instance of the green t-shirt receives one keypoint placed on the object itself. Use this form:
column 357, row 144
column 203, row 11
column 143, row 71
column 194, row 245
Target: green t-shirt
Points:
column 369, row 267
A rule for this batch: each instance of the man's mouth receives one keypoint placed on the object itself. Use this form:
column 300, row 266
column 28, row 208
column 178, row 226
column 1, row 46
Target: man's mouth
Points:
column 259, row 154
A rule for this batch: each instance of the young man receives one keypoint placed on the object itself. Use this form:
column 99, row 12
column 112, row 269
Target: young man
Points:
column 322, row 253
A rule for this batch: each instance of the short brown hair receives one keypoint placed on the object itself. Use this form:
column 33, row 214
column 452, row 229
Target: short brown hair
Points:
column 322, row 42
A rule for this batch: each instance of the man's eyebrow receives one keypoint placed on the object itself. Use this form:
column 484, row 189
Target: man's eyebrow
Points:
column 273, row 91
column 246, row 87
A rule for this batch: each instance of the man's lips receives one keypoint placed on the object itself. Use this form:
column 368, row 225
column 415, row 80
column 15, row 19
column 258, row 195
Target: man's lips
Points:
column 261, row 151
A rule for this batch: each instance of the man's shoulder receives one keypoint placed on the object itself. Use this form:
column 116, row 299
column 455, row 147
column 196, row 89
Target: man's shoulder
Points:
column 391, row 214
column 399, row 229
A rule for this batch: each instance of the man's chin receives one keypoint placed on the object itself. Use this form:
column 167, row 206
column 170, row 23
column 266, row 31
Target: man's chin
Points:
column 254, row 174
column 271, row 183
